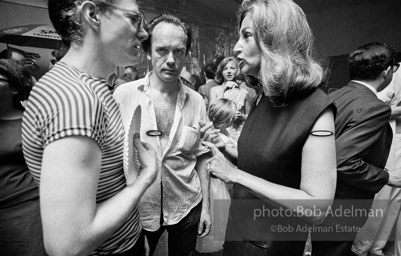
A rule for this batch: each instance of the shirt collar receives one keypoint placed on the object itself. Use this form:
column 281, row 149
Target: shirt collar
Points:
column 183, row 94
column 366, row 85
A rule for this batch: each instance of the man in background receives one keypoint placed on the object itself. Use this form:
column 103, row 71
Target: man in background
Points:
column 363, row 140
column 210, row 72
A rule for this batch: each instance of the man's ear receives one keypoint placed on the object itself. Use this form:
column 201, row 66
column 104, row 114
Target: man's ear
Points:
column 386, row 72
column 90, row 13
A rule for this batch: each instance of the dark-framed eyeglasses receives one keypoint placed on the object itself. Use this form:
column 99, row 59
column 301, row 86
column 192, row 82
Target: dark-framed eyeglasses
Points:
column 137, row 18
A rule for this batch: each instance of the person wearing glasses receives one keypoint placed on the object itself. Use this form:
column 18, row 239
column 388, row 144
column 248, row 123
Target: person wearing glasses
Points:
column 363, row 140
column 73, row 134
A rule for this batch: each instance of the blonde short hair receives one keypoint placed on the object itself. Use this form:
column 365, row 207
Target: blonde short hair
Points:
column 222, row 112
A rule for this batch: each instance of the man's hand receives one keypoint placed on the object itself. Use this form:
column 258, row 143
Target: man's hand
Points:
column 205, row 223
column 394, row 179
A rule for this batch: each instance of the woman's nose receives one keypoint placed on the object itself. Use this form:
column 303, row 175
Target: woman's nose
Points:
column 142, row 34
column 237, row 48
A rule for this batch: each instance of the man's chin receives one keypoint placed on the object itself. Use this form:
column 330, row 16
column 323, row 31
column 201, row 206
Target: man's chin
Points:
column 170, row 78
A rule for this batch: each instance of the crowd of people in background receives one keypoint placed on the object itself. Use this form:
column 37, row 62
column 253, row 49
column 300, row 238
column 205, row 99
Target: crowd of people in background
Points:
column 97, row 159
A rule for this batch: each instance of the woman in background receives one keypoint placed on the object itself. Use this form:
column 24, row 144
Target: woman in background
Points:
column 286, row 151
column 226, row 75
column 20, row 223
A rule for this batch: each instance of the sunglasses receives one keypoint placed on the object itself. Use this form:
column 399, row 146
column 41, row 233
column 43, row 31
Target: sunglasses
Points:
column 137, row 18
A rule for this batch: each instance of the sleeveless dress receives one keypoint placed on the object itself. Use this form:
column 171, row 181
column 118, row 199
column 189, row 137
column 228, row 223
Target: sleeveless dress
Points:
column 270, row 147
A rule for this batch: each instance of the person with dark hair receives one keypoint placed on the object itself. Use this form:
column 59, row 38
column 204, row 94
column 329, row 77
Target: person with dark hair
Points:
column 218, row 59
column 20, row 223
column 21, row 57
column 286, row 152
column 210, row 71
column 187, row 79
column 13, row 54
column 130, row 74
column 178, row 201
column 73, row 134
column 57, row 56
column 363, row 140
column 381, row 236
column 147, row 44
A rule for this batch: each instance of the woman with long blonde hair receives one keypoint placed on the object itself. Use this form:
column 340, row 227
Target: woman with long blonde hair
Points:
column 286, row 152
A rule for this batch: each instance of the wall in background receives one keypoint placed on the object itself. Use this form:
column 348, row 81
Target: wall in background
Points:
column 37, row 3
column 340, row 31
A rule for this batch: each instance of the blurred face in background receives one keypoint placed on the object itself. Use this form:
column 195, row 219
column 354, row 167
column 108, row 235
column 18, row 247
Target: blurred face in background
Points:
column 18, row 57
column 230, row 71
column 130, row 74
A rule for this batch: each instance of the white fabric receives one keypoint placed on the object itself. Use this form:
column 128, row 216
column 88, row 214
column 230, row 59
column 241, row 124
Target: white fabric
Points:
column 375, row 234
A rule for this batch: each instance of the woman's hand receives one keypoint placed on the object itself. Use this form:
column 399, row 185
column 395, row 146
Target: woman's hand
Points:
column 147, row 159
column 210, row 134
column 238, row 115
column 230, row 84
column 220, row 167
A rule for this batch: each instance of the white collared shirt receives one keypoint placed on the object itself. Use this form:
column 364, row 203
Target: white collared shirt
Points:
column 177, row 183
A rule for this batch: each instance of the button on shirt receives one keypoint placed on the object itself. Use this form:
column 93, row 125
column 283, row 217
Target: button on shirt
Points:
column 177, row 187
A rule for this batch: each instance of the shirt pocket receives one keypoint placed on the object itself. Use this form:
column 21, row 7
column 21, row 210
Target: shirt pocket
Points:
column 189, row 140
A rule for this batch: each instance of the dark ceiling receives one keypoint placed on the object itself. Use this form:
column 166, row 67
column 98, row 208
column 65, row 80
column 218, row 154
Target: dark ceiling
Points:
column 223, row 12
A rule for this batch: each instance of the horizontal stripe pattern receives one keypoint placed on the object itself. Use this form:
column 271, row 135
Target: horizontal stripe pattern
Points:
column 66, row 102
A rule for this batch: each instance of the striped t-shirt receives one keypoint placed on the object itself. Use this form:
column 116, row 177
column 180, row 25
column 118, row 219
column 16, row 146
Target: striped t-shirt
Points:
column 66, row 102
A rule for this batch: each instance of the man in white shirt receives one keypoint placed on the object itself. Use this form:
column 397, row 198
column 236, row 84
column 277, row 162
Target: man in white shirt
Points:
column 178, row 201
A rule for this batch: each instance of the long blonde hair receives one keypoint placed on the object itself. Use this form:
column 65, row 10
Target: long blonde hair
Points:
column 285, row 42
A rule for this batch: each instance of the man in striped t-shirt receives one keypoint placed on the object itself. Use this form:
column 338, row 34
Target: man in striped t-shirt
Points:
column 73, row 134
